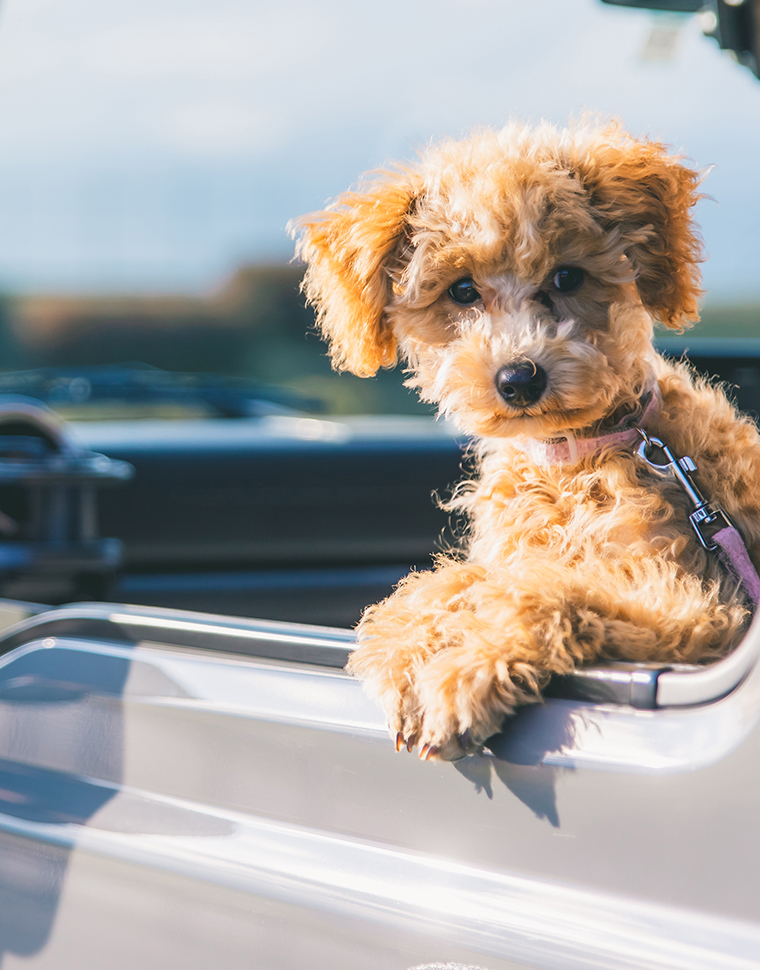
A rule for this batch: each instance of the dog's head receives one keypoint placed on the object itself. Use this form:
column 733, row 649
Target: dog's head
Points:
column 516, row 272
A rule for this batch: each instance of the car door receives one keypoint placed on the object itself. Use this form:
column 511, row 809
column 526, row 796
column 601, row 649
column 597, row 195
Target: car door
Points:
column 186, row 790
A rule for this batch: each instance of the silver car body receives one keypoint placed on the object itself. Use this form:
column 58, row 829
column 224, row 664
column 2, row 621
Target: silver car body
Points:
column 184, row 790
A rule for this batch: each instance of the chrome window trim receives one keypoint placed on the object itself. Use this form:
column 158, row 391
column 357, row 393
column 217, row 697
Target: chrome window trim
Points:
column 682, row 688
column 642, row 686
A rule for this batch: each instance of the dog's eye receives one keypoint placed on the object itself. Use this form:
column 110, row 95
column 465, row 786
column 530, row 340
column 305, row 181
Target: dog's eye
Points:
column 568, row 278
column 463, row 292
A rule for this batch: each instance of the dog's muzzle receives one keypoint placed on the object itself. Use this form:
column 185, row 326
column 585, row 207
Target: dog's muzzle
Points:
column 521, row 384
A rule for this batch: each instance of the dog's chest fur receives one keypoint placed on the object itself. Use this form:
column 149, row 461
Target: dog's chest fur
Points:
column 611, row 506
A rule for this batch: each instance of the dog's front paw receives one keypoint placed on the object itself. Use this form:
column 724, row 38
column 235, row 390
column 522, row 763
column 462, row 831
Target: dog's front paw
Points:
column 387, row 674
column 447, row 704
column 463, row 699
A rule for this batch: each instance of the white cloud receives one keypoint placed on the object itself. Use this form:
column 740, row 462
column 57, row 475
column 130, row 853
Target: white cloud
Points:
column 218, row 46
column 220, row 127
column 25, row 53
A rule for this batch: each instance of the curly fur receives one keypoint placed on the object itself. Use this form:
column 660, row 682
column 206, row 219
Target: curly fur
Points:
column 565, row 564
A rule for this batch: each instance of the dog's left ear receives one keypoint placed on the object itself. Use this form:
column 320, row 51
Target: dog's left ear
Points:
column 649, row 195
column 348, row 249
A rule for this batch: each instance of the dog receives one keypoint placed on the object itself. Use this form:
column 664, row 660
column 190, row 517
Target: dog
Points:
column 518, row 273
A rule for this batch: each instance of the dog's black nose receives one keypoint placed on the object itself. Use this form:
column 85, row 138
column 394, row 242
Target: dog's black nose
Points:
column 521, row 384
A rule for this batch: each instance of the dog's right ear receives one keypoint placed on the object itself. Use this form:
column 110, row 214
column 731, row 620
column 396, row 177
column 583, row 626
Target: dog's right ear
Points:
column 347, row 249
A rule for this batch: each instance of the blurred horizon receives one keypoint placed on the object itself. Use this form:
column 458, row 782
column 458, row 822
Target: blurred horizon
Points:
column 254, row 326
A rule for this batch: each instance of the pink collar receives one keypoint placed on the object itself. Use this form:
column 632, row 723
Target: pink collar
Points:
column 568, row 449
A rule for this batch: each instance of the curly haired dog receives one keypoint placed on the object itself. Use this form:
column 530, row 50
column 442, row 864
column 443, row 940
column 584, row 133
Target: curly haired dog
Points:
column 518, row 273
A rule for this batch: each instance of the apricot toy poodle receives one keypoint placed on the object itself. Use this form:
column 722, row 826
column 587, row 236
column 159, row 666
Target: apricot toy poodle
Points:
column 518, row 274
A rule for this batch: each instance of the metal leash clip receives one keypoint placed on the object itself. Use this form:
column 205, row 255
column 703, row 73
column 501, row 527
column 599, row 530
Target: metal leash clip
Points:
column 706, row 519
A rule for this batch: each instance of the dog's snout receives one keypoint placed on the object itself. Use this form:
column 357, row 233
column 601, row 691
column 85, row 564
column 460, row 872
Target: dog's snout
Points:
column 521, row 384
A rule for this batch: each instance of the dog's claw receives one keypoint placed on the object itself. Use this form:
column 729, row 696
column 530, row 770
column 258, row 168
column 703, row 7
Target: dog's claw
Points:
column 425, row 752
column 410, row 744
column 399, row 741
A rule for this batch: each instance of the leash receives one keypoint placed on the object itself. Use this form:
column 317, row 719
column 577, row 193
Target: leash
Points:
column 713, row 528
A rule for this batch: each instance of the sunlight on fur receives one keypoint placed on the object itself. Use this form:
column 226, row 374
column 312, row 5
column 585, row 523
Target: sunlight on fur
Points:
column 518, row 275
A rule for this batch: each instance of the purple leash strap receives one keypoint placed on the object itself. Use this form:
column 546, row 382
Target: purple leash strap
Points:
column 733, row 555
column 713, row 528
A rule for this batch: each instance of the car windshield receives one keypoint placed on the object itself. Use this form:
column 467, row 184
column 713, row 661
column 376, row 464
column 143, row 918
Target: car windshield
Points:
column 154, row 152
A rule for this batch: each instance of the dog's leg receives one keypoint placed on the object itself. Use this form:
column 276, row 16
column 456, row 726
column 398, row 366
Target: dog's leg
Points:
column 398, row 636
column 455, row 650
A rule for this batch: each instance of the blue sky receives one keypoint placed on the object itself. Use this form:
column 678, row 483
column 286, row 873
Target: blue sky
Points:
column 155, row 144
